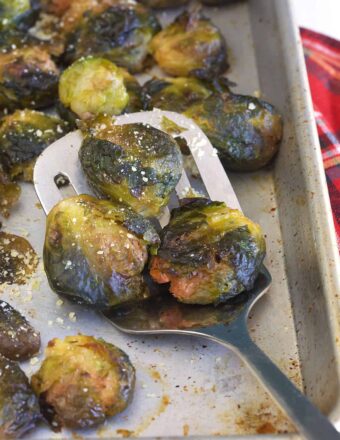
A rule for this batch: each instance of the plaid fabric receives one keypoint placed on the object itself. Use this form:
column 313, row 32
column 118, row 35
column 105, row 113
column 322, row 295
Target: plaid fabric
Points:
column 322, row 56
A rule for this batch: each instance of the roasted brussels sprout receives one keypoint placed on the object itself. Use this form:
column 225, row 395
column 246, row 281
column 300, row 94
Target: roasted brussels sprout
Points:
column 19, row 13
column 18, row 260
column 120, row 33
column 18, row 339
column 95, row 251
column 23, row 136
column 92, row 86
column 160, row 4
column 133, row 163
column 19, row 408
column 28, row 78
column 209, row 253
column 9, row 193
column 191, row 46
column 245, row 130
column 82, row 381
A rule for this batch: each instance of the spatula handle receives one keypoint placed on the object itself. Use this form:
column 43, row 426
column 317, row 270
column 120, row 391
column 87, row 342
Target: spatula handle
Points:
column 307, row 419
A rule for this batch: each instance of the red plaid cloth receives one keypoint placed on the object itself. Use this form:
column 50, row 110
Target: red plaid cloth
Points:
column 322, row 56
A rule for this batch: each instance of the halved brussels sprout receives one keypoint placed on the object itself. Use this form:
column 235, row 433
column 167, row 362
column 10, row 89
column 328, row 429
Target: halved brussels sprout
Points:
column 19, row 408
column 119, row 33
column 209, row 253
column 28, row 78
column 191, row 46
column 133, row 163
column 160, row 4
column 9, row 193
column 82, row 381
column 93, row 86
column 18, row 339
column 245, row 130
column 20, row 13
column 95, row 251
column 23, row 136
column 18, row 260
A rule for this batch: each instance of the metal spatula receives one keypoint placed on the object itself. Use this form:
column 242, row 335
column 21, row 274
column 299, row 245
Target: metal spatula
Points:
column 225, row 324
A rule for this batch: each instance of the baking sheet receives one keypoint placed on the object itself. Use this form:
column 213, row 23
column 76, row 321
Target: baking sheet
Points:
column 189, row 387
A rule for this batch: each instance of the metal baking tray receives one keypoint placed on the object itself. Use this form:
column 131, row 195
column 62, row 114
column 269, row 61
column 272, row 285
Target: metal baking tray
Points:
column 189, row 387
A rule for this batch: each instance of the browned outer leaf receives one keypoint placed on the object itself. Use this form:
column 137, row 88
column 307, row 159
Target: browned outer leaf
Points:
column 18, row 339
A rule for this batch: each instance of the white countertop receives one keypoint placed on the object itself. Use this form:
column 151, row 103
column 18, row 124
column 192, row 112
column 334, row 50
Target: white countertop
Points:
column 319, row 15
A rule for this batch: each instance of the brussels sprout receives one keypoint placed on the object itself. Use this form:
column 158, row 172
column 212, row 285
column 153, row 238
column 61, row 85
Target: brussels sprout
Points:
column 23, row 136
column 20, row 13
column 95, row 251
column 120, row 33
column 245, row 130
column 133, row 163
column 160, row 4
column 28, row 78
column 191, row 46
column 209, row 253
column 19, row 408
column 92, row 86
column 9, row 193
column 18, row 260
column 82, row 381
column 18, row 339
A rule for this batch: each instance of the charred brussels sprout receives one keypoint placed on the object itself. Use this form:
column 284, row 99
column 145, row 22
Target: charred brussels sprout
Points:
column 95, row 251
column 23, row 136
column 133, row 163
column 18, row 260
column 92, row 86
column 19, row 408
column 191, row 46
column 19, row 13
column 82, row 381
column 18, row 339
column 119, row 33
column 209, row 253
column 161, row 4
column 28, row 78
column 245, row 130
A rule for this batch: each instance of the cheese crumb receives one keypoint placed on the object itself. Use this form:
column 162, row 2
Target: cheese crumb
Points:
column 34, row 361
column 72, row 316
